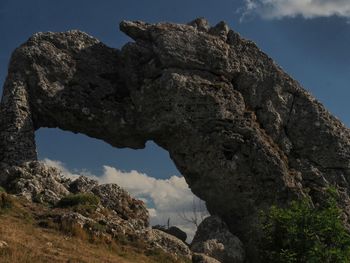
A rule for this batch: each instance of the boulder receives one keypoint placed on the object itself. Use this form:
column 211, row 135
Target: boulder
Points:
column 70, row 220
column 82, row 184
column 117, row 199
column 38, row 182
column 168, row 243
column 202, row 258
column 214, row 239
column 98, row 222
column 174, row 231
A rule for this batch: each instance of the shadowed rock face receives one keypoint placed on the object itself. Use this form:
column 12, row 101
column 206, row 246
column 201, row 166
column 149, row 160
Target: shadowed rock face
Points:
column 243, row 133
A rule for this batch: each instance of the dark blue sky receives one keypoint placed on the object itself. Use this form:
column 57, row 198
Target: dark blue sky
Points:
column 315, row 51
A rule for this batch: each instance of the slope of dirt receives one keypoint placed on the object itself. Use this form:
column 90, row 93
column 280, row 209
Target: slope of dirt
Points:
column 26, row 241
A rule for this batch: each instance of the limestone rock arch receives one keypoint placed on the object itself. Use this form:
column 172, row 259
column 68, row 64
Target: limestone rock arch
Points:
column 243, row 133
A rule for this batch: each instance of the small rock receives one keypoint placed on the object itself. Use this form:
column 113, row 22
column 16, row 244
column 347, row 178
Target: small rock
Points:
column 174, row 231
column 49, row 244
column 200, row 23
column 221, row 30
column 168, row 243
column 72, row 219
column 3, row 244
column 215, row 240
column 201, row 258
column 117, row 199
column 82, row 184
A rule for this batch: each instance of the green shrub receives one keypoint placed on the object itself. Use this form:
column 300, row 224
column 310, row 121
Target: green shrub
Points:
column 79, row 200
column 303, row 233
column 2, row 190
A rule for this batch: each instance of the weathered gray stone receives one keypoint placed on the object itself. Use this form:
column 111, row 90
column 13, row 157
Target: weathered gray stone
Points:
column 38, row 182
column 71, row 220
column 168, row 243
column 243, row 133
column 106, row 225
column 3, row 244
column 82, row 184
column 202, row 258
column 174, row 231
column 214, row 239
column 115, row 198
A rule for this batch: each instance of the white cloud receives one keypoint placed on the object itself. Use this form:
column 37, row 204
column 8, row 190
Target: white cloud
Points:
column 165, row 198
column 59, row 165
column 272, row 9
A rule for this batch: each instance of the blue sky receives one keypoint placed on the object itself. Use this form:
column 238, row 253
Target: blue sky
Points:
column 310, row 39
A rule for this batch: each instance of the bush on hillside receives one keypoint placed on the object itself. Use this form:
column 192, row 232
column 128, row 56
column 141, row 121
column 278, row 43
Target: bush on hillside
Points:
column 303, row 233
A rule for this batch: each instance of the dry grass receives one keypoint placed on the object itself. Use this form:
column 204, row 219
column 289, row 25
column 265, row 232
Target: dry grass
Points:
column 30, row 243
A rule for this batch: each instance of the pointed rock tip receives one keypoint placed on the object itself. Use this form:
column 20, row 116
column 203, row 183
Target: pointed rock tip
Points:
column 135, row 29
column 221, row 30
column 200, row 23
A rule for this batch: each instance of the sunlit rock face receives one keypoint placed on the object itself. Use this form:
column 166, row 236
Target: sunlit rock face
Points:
column 243, row 133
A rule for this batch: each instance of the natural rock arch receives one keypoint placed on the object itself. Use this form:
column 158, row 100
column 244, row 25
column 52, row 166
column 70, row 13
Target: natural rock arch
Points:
column 242, row 132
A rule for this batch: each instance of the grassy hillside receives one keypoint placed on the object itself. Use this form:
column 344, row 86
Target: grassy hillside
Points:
column 28, row 242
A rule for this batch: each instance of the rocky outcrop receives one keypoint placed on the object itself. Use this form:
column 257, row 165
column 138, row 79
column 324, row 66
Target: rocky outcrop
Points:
column 214, row 239
column 202, row 258
column 118, row 200
column 82, row 184
column 103, row 224
column 36, row 181
column 168, row 243
column 174, row 231
column 98, row 222
column 41, row 183
column 243, row 133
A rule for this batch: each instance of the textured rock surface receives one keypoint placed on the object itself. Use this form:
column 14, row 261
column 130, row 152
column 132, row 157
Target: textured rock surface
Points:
column 82, row 184
column 214, row 239
column 100, row 222
column 242, row 132
column 168, row 243
column 36, row 181
column 3, row 244
column 202, row 258
column 41, row 183
column 73, row 219
column 118, row 200
column 111, row 226
column 174, row 231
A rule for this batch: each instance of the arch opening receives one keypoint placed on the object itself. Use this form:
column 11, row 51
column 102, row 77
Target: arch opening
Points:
column 148, row 174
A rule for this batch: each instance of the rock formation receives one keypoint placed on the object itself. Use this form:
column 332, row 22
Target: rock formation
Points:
column 243, row 133
column 168, row 243
column 173, row 230
column 214, row 239
column 201, row 258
